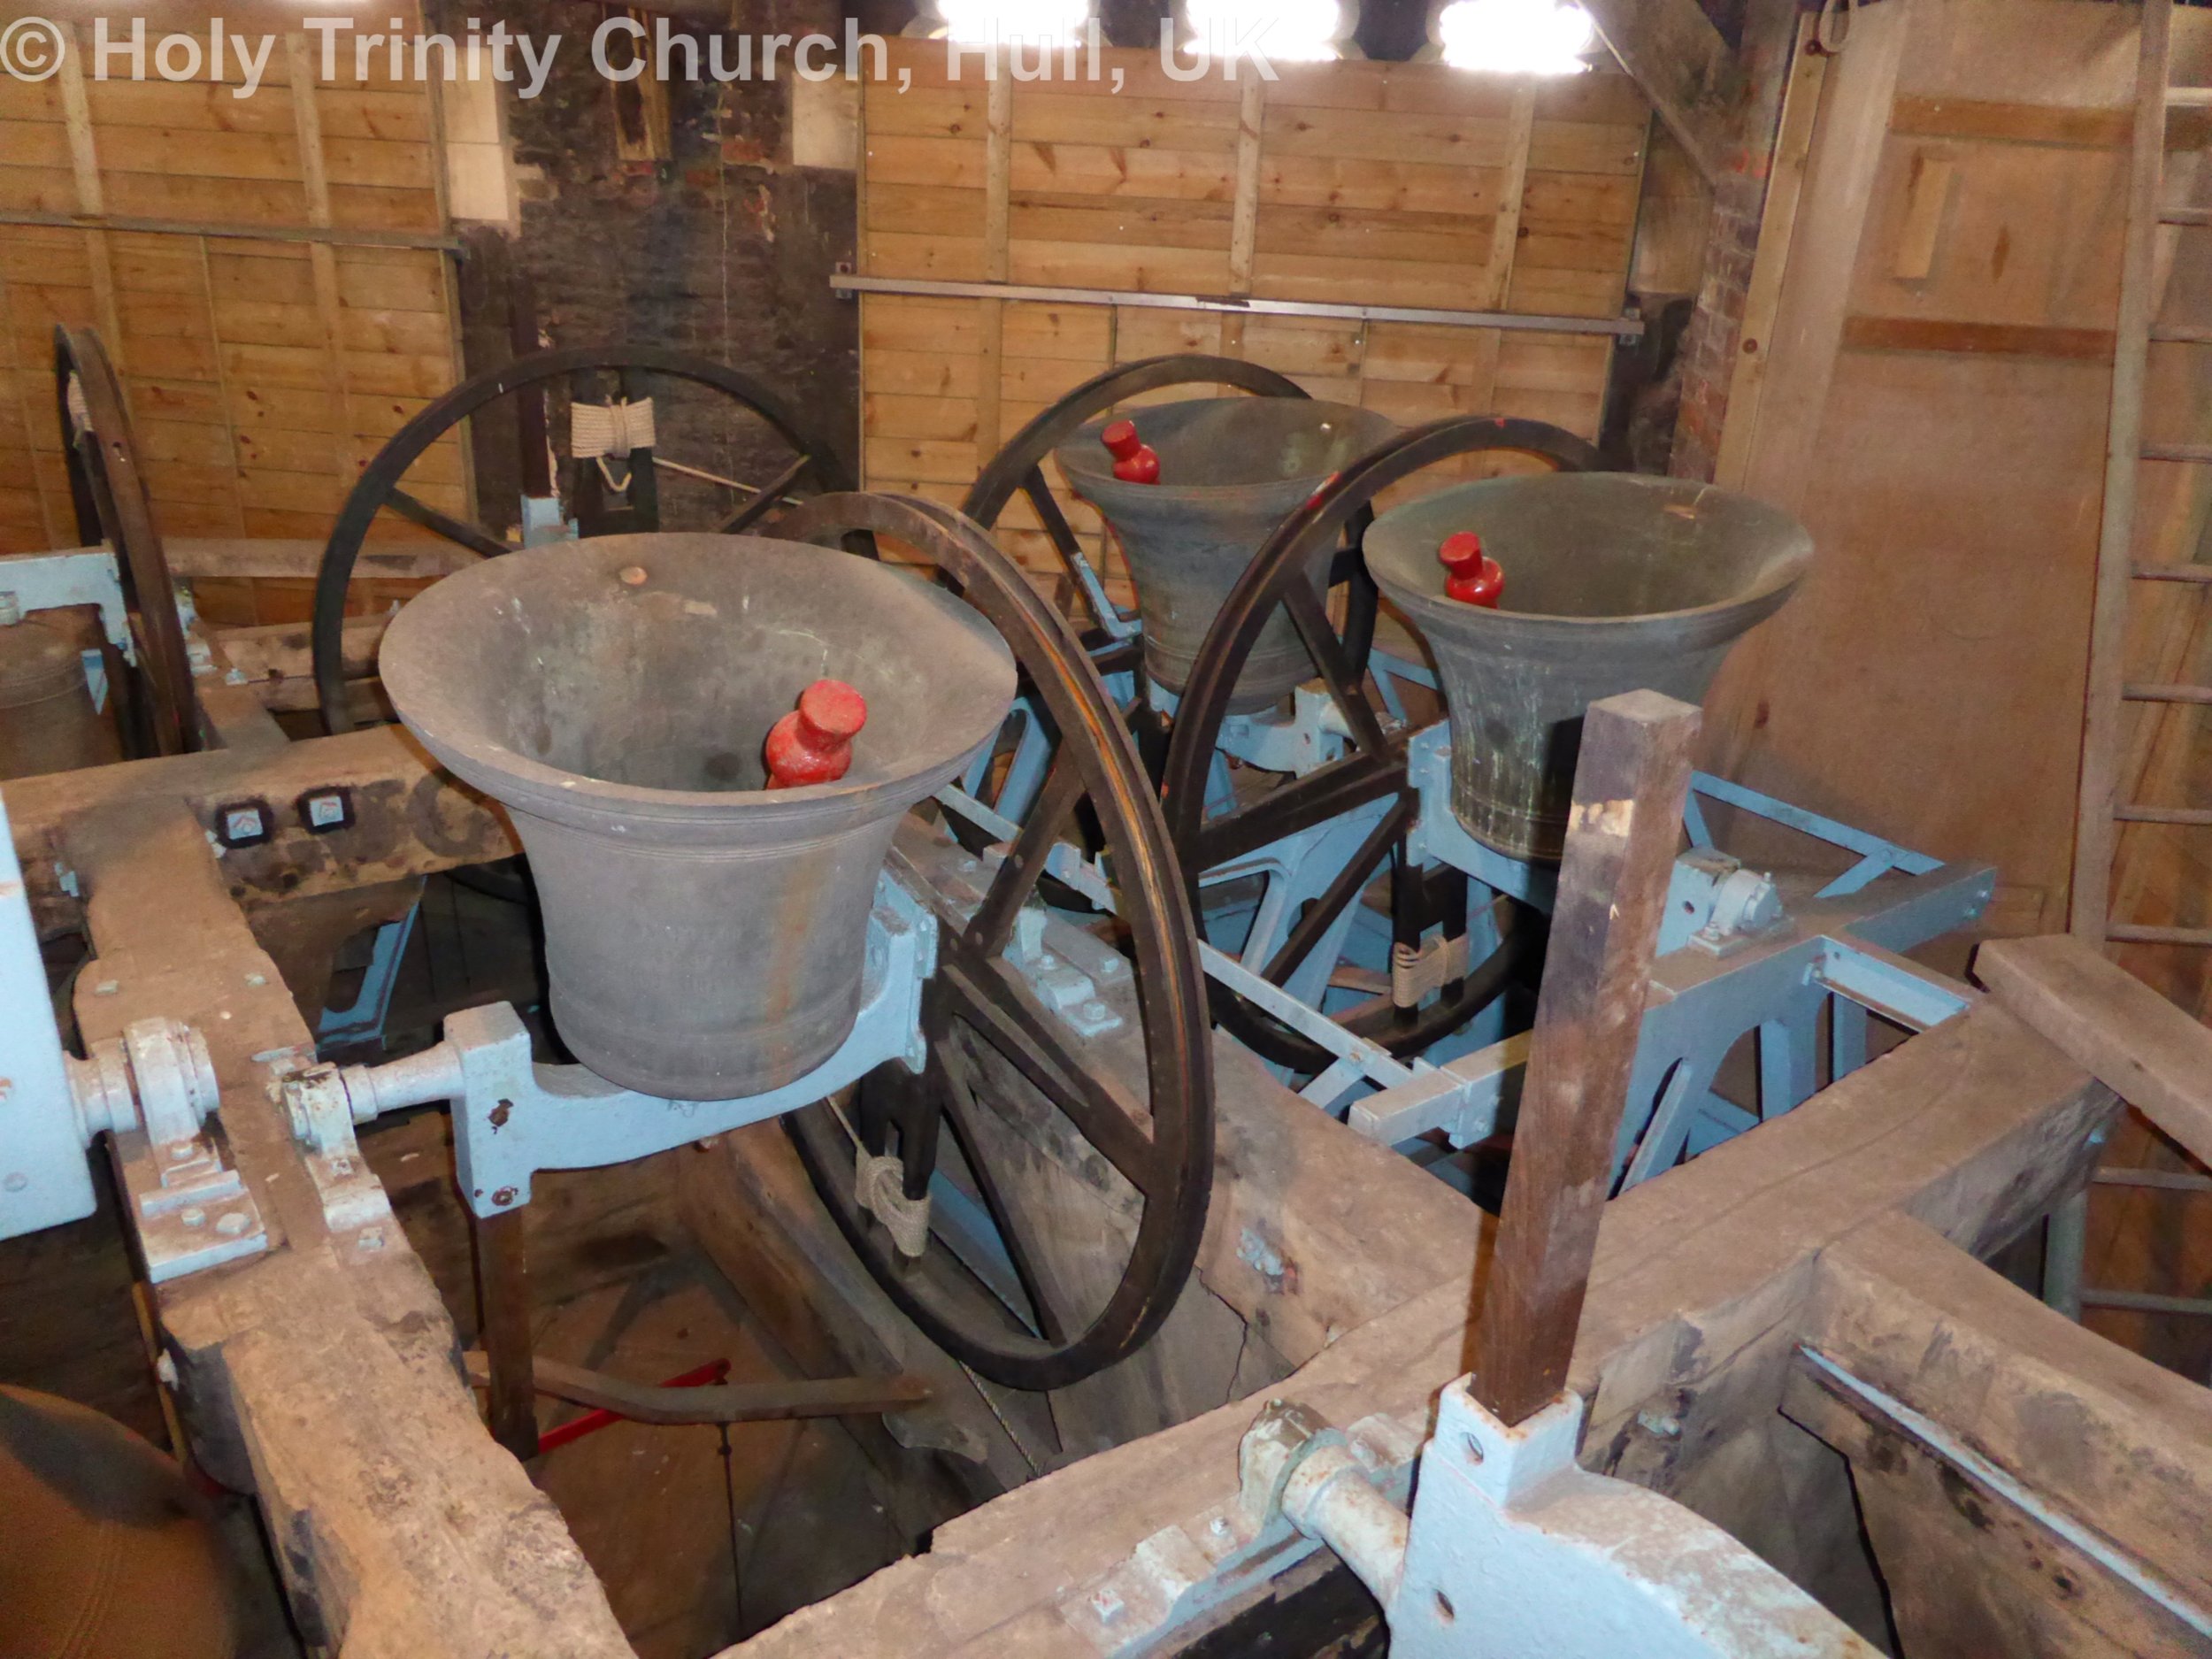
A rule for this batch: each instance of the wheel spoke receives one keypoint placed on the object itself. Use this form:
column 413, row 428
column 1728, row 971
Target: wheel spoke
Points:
column 1017, row 877
column 1048, row 513
column 1306, row 610
column 1007, row 1015
column 1322, row 913
column 1335, row 789
column 452, row 529
column 960, row 1106
column 769, row 498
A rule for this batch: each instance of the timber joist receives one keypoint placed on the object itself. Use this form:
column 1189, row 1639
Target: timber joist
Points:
column 409, row 819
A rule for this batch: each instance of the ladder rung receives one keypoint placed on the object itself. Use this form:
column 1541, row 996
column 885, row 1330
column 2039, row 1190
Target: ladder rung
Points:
column 2189, row 97
column 2160, row 1180
column 2185, row 215
column 2168, row 694
column 2144, row 1302
column 2199, row 573
column 2185, row 334
column 2195, row 815
column 2132, row 935
column 2198, row 452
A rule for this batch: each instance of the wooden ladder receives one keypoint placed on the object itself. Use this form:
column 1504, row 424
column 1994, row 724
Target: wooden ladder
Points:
column 2103, row 811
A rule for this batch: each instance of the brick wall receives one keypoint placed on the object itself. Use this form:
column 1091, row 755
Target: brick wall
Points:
column 723, row 250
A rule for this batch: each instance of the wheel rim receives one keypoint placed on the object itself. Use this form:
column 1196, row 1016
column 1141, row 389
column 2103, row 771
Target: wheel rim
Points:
column 1373, row 769
column 1160, row 1148
column 109, row 493
column 379, row 487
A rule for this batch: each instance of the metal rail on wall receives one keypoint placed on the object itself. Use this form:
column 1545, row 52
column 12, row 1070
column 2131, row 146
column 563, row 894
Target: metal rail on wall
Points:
column 845, row 283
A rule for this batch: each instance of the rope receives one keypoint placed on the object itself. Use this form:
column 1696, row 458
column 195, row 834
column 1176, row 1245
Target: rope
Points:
column 601, row 429
column 879, row 1188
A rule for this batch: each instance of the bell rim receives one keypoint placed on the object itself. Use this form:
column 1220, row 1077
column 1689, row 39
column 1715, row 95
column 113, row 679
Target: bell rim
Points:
column 1782, row 574
column 1083, row 477
column 579, row 800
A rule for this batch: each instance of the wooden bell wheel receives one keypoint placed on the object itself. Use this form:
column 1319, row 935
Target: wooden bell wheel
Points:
column 814, row 469
column 1020, row 469
column 112, row 506
column 1013, row 1105
column 1210, row 834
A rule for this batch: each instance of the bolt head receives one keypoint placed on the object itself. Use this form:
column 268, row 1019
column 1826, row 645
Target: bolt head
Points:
column 504, row 1197
column 231, row 1225
column 194, row 1218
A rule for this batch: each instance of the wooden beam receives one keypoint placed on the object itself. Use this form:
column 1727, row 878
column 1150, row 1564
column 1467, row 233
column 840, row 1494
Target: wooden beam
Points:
column 1675, row 55
column 321, row 1380
column 2051, row 1473
column 2011, row 340
column 411, row 817
column 1777, row 228
column 1626, row 825
column 278, row 661
column 2133, row 1040
column 505, row 1321
column 1700, row 1285
column 193, row 558
column 1807, row 330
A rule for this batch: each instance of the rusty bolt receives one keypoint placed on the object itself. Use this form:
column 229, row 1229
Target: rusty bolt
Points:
column 504, row 1197
column 633, row 576
column 501, row 1113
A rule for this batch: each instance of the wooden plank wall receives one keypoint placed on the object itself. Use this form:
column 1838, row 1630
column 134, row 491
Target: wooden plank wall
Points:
column 262, row 374
column 1386, row 184
column 1935, row 411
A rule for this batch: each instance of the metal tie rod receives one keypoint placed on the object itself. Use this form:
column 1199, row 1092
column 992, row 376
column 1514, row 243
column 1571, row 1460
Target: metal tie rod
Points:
column 845, row 283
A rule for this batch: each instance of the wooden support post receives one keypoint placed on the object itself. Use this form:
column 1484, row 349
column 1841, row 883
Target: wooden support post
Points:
column 1625, row 826
column 998, row 212
column 503, row 1292
column 1244, row 223
column 345, row 459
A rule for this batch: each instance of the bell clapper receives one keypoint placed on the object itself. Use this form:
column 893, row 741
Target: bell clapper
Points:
column 1475, row 577
column 813, row 744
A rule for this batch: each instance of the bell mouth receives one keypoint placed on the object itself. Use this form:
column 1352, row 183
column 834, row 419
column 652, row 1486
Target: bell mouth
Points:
column 636, row 678
column 1227, row 449
column 1596, row 550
